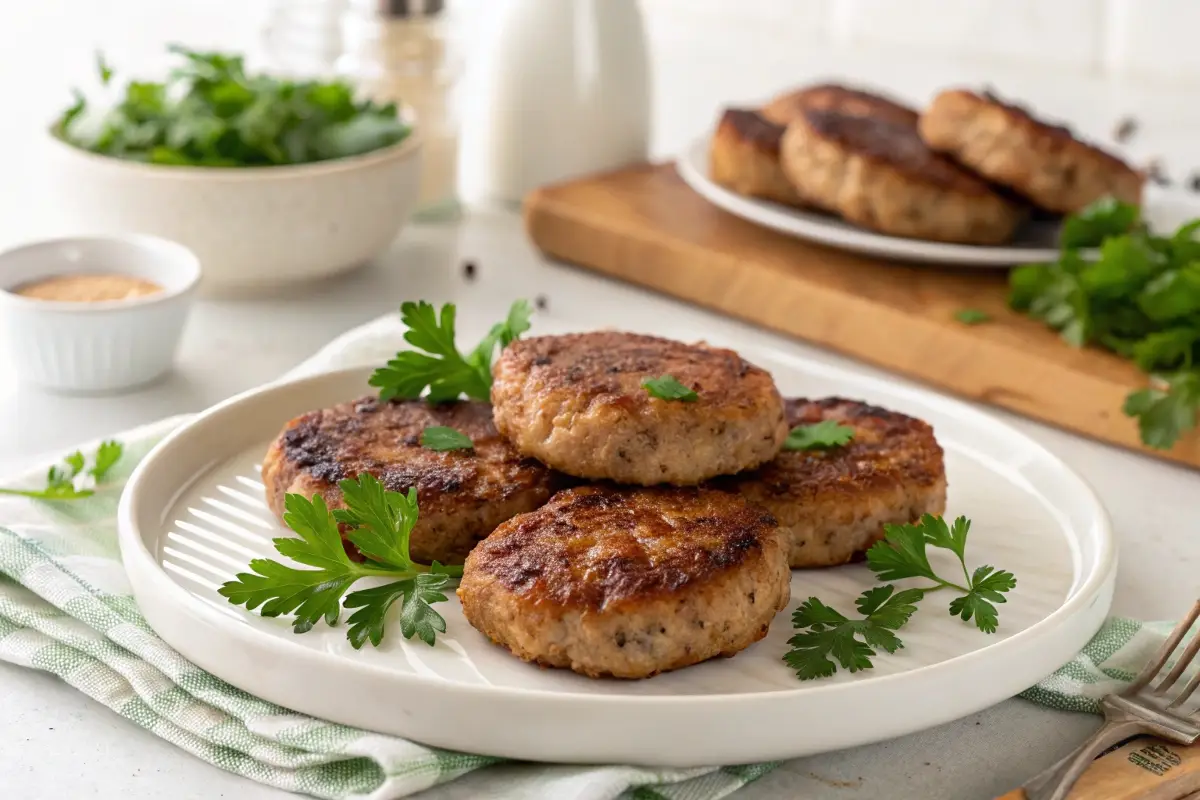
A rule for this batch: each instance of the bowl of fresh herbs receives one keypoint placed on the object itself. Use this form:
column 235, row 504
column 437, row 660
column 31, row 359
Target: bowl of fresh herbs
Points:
column 268, row 180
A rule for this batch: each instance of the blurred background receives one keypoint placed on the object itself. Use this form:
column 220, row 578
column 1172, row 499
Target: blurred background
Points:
column 1090, row 62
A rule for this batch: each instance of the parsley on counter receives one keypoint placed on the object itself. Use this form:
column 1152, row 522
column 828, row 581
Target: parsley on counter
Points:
column 69, row 480
column 1138, row 295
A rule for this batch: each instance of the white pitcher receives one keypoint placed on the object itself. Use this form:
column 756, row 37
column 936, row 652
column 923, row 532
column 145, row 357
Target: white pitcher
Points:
column 561, row 89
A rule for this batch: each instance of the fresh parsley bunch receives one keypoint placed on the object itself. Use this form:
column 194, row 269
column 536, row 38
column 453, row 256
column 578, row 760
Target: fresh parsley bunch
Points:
column 437, row 364
column 827, row 636
column 211, row 113
column 68, row 481
column 1139, row 296
column 379, row 524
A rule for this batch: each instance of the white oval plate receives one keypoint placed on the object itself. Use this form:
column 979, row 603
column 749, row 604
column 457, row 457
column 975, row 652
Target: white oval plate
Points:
column 1035, row 241
column 193, row 515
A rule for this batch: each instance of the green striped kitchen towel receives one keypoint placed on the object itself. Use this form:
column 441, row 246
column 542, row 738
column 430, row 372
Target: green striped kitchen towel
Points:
column 65, row 607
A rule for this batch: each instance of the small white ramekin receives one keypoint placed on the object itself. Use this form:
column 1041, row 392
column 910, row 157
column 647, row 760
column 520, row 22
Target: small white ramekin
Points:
column 96, row 347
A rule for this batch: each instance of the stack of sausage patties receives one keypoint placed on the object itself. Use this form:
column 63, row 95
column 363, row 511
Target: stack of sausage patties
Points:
column 625, row 531
column 969, row 169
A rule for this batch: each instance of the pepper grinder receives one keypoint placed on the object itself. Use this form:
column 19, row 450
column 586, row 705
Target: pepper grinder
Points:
column 396, row 51
column 561, row 89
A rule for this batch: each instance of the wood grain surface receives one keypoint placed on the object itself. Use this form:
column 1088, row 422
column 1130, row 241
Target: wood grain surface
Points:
column 1141, row 769
column 645, row 226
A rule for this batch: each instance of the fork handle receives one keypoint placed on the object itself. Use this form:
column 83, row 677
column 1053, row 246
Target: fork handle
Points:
column 1056, row 782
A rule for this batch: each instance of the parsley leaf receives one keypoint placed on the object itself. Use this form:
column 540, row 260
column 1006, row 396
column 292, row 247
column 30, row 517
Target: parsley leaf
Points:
column 103, row 69
column 108, row 454
column 1138, row 295
column 1166, row 414
column 666, row 387
column 972, row 316
column 824, row 434
column 902, row 554
column 1106, row 217
column 379, row 523
column 436, row 364
column 211, row 112
column 62, row 479
column 439, row 437
column 830, row 636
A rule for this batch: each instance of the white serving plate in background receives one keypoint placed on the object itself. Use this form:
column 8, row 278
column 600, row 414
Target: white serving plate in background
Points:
column 193, row 514
column 1035, row 242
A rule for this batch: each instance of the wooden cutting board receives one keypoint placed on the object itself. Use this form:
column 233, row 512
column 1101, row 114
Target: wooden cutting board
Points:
column 645, row 226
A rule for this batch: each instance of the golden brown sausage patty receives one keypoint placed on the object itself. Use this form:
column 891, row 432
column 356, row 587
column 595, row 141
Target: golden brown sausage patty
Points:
column 577, row 404
column 832, row 504
column 462, row 494
column 744, row 154
column 881, row 175
column 628, row 582
column 1042, row 162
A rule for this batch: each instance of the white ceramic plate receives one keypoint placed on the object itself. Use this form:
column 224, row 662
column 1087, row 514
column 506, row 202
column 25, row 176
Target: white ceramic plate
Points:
column 193, row 515
column 1035, row 241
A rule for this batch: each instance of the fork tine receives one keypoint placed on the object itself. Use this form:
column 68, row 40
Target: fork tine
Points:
column 1187, row 691
column 1160, row 658
column 1181, row 665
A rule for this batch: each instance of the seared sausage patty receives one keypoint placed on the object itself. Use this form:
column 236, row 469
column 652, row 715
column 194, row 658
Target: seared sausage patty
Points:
column 881, row 175
column 577, row 403
column 1042, row 162
column 462, row 494
column 832, row 504
column 628, row 582
column 837, row 97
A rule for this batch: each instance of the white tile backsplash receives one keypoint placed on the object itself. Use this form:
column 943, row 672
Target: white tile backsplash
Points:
column 1154, row 40
column 1052, row 32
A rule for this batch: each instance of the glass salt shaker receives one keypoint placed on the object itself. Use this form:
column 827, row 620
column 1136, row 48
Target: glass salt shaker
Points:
column 398, row 51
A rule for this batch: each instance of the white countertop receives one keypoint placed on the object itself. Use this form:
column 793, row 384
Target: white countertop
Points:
column 56, row 743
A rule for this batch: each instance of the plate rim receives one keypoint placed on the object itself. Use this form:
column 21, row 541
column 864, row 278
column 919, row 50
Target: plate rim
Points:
column 905, row 251
column 148, row 578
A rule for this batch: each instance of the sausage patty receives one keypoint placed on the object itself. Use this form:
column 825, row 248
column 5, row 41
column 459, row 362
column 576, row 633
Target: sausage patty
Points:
column 1009, row 146
column 832, row 504
column 745, row 149
column 462, row 494
column 628, row 582
column 577, row 404
column 881, row 175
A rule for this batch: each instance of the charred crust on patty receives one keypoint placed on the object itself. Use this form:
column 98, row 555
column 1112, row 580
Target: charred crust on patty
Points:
column 463, row 494
column 833, row 503
column 744, row 157
column 844, row 99
column 628, row 582
column 600, row 532
column 883, row 176
column 576, row 402
column 1009, row 145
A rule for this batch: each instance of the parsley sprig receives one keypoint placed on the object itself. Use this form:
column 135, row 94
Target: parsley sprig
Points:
column 379, row 524
column 437, row 364
column 823, row 435
column 69, row 480
column 1138, row 295
column 826, row 636
column 668, row 387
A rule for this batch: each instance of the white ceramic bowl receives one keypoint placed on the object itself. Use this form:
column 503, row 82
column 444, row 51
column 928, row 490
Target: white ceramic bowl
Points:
column 252, row 227
column 101, row 346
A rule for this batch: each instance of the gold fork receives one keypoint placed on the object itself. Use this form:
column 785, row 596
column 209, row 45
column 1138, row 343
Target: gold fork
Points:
column 1146, row 706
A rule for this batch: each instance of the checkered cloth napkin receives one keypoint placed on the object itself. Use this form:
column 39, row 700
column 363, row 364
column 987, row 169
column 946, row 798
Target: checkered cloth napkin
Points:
column 66, row 607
